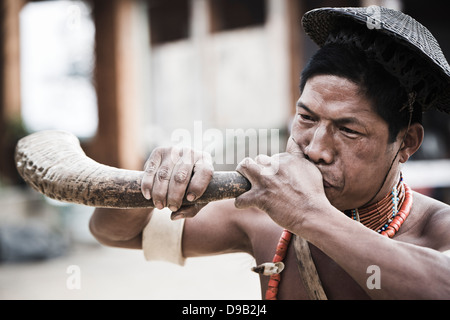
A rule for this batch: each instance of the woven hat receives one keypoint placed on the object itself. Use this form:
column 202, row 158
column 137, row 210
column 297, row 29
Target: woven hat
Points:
column 402, row 45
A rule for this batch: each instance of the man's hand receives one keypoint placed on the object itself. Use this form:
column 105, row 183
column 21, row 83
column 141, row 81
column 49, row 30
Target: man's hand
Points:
column 286, row 186
column 172, row 173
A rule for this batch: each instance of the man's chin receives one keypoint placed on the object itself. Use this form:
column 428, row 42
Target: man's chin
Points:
column 336, row 198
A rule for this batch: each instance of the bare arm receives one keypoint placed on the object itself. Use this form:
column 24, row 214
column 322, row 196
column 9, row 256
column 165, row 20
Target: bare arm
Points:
column 119, row 227
column 216, row 229
column 407, row 271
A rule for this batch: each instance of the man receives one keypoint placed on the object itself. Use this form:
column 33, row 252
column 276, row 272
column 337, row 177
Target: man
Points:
column 338, row 186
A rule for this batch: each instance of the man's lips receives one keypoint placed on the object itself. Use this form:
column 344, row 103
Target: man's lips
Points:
column 330, row 180
column 326, row 184
column 333, row 184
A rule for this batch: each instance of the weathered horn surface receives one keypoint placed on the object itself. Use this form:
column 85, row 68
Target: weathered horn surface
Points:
column 53, row 163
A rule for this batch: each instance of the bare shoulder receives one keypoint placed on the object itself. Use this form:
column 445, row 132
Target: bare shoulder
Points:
column 430, row 222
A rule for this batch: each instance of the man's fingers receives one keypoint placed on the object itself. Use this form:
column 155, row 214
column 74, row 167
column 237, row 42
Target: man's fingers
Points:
column 263, row 160
column 249, row 169
column 293, row 147
column 163, row 176
column 172, row 173
column 150, row 169
column 178, row 183
column 202, row 173
column 187, row 211
column 245, row 200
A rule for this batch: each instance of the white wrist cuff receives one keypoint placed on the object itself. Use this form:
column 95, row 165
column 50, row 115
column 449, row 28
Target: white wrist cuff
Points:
column 162, row 238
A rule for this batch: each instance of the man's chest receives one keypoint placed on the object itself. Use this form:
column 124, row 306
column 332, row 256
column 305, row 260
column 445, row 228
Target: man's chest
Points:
column 336, row 283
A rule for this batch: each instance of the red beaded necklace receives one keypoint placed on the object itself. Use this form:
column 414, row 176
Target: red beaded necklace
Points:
column 280, row 253
column 382, row 217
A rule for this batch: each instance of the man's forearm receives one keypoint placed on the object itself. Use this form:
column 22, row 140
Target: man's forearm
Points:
column 406, row 271
column 119, row 227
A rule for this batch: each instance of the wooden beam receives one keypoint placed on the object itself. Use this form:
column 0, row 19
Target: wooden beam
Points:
column 10, row 100
column 10, row 62
column 116, row 142
column 296, row 58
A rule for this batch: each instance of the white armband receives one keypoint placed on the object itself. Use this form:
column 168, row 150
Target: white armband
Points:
column 162, row 237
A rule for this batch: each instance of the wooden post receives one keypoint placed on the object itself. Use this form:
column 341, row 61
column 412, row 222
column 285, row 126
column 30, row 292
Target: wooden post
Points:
column 9, row 85
column 10, row 63
column 296, row 59
column 116, row 142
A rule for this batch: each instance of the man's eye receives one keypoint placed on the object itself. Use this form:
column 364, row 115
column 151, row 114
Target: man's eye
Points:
column 349, row 131
column 305, row 117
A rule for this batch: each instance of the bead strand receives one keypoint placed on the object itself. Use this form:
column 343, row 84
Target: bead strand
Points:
column 379, row 215
column 401, row 216
column 280, row 253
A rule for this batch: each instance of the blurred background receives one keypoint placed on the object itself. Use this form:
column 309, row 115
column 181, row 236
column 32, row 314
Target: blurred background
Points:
column 123, row 76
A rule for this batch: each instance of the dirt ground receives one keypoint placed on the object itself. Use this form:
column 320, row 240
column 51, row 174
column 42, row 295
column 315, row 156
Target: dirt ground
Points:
column 89, row 270
column 108, row 273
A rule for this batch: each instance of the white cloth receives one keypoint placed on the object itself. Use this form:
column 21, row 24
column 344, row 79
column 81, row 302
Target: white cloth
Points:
column 162, row 238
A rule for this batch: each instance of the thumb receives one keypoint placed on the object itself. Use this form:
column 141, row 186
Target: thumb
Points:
column 293, row 147
column 245, row 200
column 188, row 211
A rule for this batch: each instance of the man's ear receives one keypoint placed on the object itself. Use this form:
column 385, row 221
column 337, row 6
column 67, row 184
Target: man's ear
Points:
column 412, row 141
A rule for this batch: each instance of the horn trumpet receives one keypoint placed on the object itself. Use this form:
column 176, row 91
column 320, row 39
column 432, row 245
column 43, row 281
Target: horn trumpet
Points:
column 53, row 163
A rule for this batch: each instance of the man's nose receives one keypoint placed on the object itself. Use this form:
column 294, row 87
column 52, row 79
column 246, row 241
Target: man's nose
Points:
column 321, row 146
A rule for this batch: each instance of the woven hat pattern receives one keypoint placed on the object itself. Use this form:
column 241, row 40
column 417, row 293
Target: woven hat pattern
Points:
column 416, row 42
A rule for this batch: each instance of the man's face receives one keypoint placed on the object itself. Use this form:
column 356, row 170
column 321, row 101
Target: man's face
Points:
column 338, row 130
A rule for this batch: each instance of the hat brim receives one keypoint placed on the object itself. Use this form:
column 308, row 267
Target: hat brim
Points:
column 406, row 31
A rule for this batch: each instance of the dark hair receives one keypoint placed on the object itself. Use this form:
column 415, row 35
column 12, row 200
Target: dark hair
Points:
column 380, row 87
